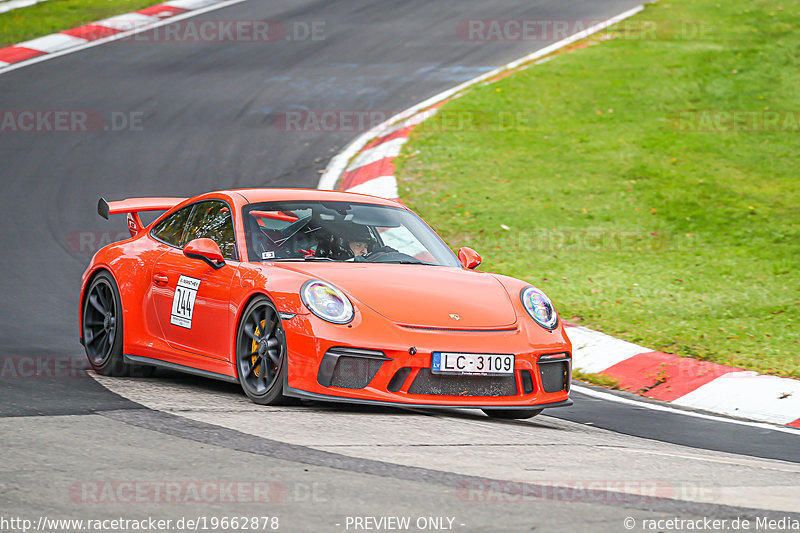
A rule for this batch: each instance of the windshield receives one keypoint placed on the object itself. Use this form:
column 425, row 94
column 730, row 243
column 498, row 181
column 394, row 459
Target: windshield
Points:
column 340, row 231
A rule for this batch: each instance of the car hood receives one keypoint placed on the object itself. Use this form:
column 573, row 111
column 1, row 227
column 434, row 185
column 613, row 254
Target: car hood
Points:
column 423, row 295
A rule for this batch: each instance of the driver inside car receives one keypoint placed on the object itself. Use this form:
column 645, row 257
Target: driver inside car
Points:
column 353, row 242
column 362, row 246
column 359, row 241
column 356, row 242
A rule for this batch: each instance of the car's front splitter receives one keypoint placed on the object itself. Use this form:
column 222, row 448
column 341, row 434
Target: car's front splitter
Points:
column 296, row 393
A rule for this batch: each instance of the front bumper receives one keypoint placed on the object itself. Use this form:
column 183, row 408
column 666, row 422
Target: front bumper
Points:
column 294, row 393
column 374, row 361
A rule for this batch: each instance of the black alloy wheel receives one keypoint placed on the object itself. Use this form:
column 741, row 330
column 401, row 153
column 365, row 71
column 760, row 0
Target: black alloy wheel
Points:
column 261, row 353
column 102, row 330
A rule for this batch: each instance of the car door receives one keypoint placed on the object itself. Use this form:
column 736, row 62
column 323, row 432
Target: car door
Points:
column 191, row 298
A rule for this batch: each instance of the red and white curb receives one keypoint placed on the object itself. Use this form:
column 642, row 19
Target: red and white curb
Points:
column 687, row 382
column 367, row 166
column 372, row 170
column 103, row 31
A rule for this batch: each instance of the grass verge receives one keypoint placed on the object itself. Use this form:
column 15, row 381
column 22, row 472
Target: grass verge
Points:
column 648, row 182
column 53, row 16
column 603, row 380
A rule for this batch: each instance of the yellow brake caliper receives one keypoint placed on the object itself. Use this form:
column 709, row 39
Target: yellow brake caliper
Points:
column 257, row 369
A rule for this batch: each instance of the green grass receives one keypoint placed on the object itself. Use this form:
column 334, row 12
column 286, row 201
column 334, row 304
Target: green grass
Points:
column 635, row 223
column 56, row 15
column 603, row 380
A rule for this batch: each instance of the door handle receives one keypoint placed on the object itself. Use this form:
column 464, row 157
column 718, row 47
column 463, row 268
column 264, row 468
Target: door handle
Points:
column 161, row 279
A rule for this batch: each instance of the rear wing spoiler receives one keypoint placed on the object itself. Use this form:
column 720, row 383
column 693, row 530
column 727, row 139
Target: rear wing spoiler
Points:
column 133, row 206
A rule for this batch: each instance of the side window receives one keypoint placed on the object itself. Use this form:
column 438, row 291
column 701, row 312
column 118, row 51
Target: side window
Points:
column 278, row 234
column 171, row 229
column 212, row 220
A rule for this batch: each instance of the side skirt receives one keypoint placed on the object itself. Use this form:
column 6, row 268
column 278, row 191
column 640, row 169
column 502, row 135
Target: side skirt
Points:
column 179, row 368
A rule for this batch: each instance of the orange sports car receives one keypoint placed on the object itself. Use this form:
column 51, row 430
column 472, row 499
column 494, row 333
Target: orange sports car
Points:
column 297, row 293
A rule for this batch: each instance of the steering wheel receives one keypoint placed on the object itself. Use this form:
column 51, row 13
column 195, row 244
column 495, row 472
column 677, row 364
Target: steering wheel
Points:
column 374, row 256
column 390, row 256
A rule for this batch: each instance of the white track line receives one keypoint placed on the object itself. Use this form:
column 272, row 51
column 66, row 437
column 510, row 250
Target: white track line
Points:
column 10, row 5
column 338, row 163
column 117, row 36
column 190, row 4
column 658, row 407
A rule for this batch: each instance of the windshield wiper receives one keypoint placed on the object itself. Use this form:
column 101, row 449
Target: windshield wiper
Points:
column 312, row 258
column 405, row 262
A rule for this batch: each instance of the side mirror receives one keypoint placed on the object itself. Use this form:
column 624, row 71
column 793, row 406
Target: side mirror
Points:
column 205, row 250
column 469, row 258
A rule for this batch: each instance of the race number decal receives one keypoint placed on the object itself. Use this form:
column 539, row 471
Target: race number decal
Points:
column 183, row 302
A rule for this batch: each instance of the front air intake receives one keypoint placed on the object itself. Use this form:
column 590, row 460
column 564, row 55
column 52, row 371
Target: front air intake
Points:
column 527, row 381
column 427, row 382
column 555, row 373
column 398, row 379
column 349, row 368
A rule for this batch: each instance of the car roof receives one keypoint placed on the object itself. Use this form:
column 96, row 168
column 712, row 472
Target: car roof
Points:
column 275, row 195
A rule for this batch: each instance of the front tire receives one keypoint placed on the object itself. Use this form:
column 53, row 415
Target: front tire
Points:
column 261, row 360
column 511, row 414
column 102, row 330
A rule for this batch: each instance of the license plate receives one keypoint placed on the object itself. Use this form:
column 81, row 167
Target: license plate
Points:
column 472, row 364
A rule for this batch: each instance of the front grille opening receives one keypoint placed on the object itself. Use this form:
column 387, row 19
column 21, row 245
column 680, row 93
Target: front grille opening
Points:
column 527, row 381
column 555, row 375
column 349, row 368
column 427, row 382
column 354, row 372
column 398, row 379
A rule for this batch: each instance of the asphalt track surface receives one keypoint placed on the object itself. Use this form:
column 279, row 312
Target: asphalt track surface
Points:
column 208, row 114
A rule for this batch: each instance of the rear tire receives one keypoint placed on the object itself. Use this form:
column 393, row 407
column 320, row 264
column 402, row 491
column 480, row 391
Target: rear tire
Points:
column 511, row 414
column 261, row 361
column 102, row 330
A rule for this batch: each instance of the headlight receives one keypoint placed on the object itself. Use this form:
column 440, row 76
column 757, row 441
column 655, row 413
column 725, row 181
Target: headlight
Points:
column 539, row 306
column 326, row 301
